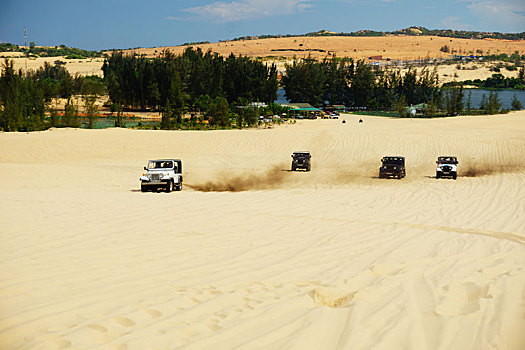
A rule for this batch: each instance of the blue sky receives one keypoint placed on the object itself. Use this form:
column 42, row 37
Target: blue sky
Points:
column 106, row 24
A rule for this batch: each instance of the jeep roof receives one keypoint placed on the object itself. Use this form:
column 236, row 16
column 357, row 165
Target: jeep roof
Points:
column 448, row 160
column 393, row 160
column 165, row 164
column 301, row 154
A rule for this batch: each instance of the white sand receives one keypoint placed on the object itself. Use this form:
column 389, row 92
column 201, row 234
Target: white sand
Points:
column 332, row 259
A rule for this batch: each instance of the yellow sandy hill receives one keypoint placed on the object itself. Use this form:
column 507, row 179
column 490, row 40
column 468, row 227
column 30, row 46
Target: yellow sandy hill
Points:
column 393, row 47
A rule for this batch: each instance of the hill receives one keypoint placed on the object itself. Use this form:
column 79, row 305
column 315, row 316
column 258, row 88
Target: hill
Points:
column 392, row 46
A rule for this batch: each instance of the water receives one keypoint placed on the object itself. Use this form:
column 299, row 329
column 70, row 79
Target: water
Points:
column 280, row 97
column 103, row 123
column 505, row 97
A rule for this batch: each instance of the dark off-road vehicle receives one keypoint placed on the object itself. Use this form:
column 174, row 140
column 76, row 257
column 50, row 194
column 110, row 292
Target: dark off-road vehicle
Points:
column 301, row 160
column 447, row 167
column 392, row 167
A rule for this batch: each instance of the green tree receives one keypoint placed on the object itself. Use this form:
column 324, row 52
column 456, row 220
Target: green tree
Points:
column 516, row 104
column 454, row 100
column 493, row 105
column 431, row 109
column 167, row 116
column 219, row 112
column 362, row 84
column 119, row 122
column 239, row 120
column 305, row 82
column 54, row 119
column 10, row 82
column 91, row 109
column 202, row 103
column 468, row 105
column 401, row 106
column 250, row 116
column 71, row 114
column 22, row 101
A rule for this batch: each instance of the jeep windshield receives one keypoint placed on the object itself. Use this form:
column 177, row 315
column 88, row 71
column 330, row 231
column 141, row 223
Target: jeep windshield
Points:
column 393, row 161
column 301, row 155
column 160, row 164
column 447, row 160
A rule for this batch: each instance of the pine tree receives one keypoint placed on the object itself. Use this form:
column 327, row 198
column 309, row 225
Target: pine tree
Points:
column 516, row 104
column 91, row 109
column 469, row 101
column 401, row 106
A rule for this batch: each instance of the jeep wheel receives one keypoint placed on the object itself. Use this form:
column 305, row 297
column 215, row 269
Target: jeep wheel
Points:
column 308, row 168
column 178, row 187
column 454, row 176
column 143, row 188
column 437, row 175
column 169, row 186
column 293, row 168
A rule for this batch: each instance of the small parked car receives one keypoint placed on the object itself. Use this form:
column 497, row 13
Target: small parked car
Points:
column 392, row 166
column 163, row 174
column 447, row 166
column 301, row 160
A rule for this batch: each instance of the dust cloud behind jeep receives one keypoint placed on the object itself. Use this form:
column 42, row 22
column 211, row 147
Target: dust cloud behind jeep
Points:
column 301, row 160
column 392, row 167
column 163, row 174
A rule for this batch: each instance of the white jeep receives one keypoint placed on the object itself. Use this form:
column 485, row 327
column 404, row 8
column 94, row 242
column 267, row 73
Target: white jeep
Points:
column 447, row 167
column 162, row 173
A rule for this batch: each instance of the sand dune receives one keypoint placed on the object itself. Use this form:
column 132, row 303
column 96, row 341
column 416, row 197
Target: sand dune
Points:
column 393, row 47
column 252, row 256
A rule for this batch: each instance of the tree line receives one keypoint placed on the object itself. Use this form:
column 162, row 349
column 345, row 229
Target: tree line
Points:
column 51, row 51
column 357, row 84
column 362, row 86
column 193, row 81
column 496, row 81
column 218, row 90
column 173, row 85
column 138, row 82
column 413, row 31
column 26, row 98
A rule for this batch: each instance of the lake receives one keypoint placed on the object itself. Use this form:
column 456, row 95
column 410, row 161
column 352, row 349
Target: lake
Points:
column 505, row 97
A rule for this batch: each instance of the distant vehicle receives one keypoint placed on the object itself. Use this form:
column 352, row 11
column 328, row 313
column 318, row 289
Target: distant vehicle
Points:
column 447, row 166
column 301, row 160
column 163, row 174
column 331, row 114
column 392, row 166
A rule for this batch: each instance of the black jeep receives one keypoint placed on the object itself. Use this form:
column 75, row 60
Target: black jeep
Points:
column 392, row 167
column 301, row 160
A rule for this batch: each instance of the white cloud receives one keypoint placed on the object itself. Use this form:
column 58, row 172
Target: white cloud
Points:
column 503, row 13
column 245, row 9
